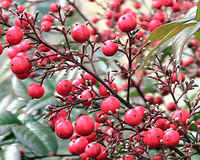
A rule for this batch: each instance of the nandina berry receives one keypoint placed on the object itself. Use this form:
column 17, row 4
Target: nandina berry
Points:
column 76, row 84
column 64, row 87
column 63, row 128
column 48, row 17
column 71, row 147
column 167, row 3
column 158, row 157
column 149, row 98
column 85, row 95
column 171, row 106
column 20, row 65
column 22, row 76
column 197, row 122
column 109, row 48
column 127, row 157
column 53, row 7
column 14, row 35
column 80, row 33
column 46, row 26
column 20, row 8
column 188, row 61
column 25, row 45
column 141, row 109
column 89, row 77
column 110, row 104
column 79, row 145
column 162, row 124
column 84, row 125
column 55, row 116
column 103, row 154
column 1, row 49
column 137, row 5
column 91, row 137
column 126, row 23
column 138, row 149
column 157, row 100
column 103, row 91
column 171, row 138
column 25, row 21
column 156, row 3
column 101, row 117
column 153, row 24
column 182, row 115
column 133, row 117
column 159, row 16
column 83, row 156
column 176, row 6
column 5, row 4
column 35, row 90
column 178, row 77
column 92, row 150
column 152, row 137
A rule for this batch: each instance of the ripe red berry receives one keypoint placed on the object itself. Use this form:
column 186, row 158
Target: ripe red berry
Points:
column 85, row 95
column 167, row 3
column 46, row 26
column 110, row 104
column 14, row 35
column 89, row 77
column 149, row 98
column 109, row 48
column 27, row 19
column 92, row 150
column 48, row 17
column 152, row 137
column 76, row 83
column 156, row 4
column 53, row 7
column 91, row 138
column 103, row 91
column 101, row 117
column 157, row 100
column 103, row 155
column 1, row 49
column 197, row 122
column 79, row 145
column 20, row 65
column 141, row 109
column 133, row 117
column 176, row 6
column 80, row 33
column 171, row 106
column 64, row 87
column 162, row 124
column 22, row 76
column 153, row 24
column 171, row 138
column 63, row 128
column 126, row 23
column 35, row 90
column 182, row 115
column 84, row 125
column 26, row 45
column 158, row 157
column 188, row 61
column 178, row 77
column 55, row 116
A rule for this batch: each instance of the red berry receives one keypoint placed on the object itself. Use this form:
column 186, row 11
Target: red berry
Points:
column 20, row 65
column 53, row 7
column 176, row 7
column 133, row 117
column 12, row 52
column 182, row 115
column 64, row 87
column 76, row 83
column 101, row 117
column 27, row 19
column 178, row 78
column 126, row 23
column 14, row 35
column 103, row 155
column 26, row 45
column 157, row 100
column 46, row 26
column 92, row 150
column 171, row 106
column 103, row 91
column 187, row 62
column 22, row 76
column 152, row 137
column 91, row 138
column 55, row 116
column 48, row 17
column 197, row 122
column 162, row 124
column 159, row 16
column 171, row 138
column 153, row 24
column 158, row 157
column 1, row 49
column 156, row 4
column 83, row 156
column 35, row 90
column 20, row 8
column 141, row 109
column 109, row 48
column 63, row 128
column 110, row 104
column 89, row 77
column 167, row 3
column 80, row 33
column 79, row 145
column 85, row 95
column 149, row 98
column 84, row 125
column 5, row 4
column 137, row 5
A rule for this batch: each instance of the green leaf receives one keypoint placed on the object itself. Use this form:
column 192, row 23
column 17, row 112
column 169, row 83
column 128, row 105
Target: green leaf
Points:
column 195, row 157
column 197, row 35
column 163, row 30
column 7, row 118
column 181, row 39
column 20, row 88
column 198, row 12
column 36, row 104
column 37, row 137
column 166, row 40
